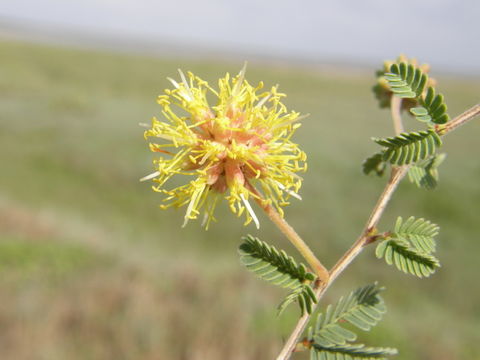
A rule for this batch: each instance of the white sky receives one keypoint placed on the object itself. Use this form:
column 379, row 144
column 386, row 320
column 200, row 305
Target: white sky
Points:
column 445, row 33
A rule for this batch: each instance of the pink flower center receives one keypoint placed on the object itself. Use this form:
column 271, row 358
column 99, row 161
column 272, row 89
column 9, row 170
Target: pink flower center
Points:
column 226, row 171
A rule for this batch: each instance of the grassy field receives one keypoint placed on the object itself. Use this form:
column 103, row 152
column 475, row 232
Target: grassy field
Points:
column 90, row 268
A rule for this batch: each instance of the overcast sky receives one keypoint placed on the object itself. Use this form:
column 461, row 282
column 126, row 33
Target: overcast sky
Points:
column 445, row 33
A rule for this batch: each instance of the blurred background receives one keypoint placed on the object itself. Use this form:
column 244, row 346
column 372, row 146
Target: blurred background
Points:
column 90, row 268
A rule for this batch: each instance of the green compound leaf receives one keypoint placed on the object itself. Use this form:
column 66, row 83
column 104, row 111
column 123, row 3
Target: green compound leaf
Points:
column 407, row 258
column 425, row 173
column 408, row 148
column 374, row 163
column 350, row 352
column 433, row 109
column 304, row 295
column 362, row 308
column 406, row 81
column 419, row 232
column 272, row 265
column 436, row 107
column 277, row 268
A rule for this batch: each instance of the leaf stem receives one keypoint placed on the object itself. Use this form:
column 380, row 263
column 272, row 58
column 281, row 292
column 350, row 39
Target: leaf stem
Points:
column 291, row 235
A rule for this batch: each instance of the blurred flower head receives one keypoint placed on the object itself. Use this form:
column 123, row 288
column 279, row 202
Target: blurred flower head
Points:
column 239, row 148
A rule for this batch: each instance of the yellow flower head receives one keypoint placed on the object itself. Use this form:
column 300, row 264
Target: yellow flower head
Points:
column 241, row 142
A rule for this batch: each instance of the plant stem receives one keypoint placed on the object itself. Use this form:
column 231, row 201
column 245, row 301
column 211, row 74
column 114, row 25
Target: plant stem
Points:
column 461, row 119
column 396, row 176
column 396, row 107
column 291, row 235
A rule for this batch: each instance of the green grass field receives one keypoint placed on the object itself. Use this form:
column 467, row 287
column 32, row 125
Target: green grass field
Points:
column 90, row 268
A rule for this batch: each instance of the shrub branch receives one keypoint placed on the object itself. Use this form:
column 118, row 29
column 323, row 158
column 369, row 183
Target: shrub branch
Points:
column 396, row 176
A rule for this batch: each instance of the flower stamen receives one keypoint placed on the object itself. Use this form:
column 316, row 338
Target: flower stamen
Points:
column 250, row 211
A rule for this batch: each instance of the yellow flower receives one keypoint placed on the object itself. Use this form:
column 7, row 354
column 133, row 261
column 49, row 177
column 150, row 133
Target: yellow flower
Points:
column 241, row 142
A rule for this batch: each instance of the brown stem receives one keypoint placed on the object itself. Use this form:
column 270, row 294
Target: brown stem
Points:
column 461, row 119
